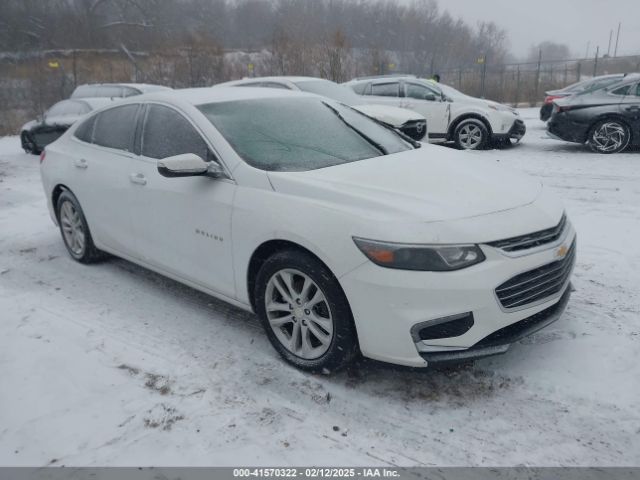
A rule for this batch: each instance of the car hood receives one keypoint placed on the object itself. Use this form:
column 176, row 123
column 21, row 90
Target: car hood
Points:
column 429, row 184
column 395, row 116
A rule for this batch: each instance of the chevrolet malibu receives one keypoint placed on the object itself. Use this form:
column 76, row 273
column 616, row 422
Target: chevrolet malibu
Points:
column 341, row 236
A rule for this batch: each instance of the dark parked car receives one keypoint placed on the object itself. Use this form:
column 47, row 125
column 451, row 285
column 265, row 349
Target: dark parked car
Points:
column 608, row 120
column 580, row 87
column 37, row 134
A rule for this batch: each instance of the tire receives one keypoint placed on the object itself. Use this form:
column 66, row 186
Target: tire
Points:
column 75, row 231
column 326, row 338
column 609, row 136
column 471, row 134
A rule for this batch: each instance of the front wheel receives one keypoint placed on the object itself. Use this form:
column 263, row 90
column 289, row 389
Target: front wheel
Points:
column 471, row 134
column 609, row 136
column 304, row 312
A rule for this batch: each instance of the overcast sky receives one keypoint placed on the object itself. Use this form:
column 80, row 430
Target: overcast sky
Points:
column 573, row 22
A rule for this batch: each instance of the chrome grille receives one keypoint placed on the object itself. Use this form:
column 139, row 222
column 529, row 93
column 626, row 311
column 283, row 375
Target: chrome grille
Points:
column 524, row 242
column 537, row 284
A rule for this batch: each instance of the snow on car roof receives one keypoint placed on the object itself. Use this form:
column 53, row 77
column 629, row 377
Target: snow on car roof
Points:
column 139, row 86
column 273, row 78
column 94, row 102
column 200, row 96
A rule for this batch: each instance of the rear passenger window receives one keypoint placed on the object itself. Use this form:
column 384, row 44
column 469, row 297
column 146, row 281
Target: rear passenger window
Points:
column 85, row 131
column 622, row 90
column 130, row 92
column 359, row 88
column 167, row 133
column 385, row 89
column 115, row 128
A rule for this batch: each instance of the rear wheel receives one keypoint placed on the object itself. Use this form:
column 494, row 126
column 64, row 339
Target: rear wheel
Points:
column 471, row 134
column 75, row 231
column 609, row 136
column 304, row 312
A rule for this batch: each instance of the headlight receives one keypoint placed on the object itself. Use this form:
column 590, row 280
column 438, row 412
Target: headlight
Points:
column 427, row 258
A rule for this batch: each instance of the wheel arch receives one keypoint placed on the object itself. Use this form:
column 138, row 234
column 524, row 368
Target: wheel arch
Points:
column 468, row 116
column 611, row 116
column 55, row 195
column 266, row 250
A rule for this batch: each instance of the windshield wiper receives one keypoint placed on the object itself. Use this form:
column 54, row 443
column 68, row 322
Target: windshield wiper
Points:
column 370, row 140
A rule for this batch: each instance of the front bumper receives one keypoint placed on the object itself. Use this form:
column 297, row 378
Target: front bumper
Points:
column 415, row 129
column 516, row 132
column 388, row 304
column 499, row 341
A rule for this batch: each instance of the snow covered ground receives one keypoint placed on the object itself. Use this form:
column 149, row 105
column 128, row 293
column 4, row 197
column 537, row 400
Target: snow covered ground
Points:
column 111, row 364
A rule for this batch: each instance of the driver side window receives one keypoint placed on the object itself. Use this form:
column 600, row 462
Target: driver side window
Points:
column 167, row 133
column 420, row 92
column 385, row 89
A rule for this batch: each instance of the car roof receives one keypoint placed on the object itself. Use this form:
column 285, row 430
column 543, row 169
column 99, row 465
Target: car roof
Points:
column 201, row 96
column 94, row 102
column 139, row 86
column 274, row 78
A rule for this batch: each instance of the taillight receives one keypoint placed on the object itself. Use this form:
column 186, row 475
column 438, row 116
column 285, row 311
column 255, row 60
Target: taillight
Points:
column 551, row 98
column 42, row 155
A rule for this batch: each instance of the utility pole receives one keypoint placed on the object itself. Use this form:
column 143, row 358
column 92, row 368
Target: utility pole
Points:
column 538, row 73
column 615, row 52
column 595, row 63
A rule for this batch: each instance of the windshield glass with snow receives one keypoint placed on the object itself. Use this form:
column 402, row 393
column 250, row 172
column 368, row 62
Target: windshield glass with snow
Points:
column 331, row 90
column 286, row 134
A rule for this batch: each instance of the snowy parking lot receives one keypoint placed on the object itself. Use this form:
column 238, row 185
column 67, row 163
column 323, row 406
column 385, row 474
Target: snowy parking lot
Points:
column 112, row 364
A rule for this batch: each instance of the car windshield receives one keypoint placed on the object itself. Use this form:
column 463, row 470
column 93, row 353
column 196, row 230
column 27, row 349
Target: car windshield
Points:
column 300, row 134
column 331, row 90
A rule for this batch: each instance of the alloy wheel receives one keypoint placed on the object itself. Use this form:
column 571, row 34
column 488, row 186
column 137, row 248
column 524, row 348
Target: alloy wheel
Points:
column 299, row 314
column 470, row 136
column 72, row 228
column 609, row 137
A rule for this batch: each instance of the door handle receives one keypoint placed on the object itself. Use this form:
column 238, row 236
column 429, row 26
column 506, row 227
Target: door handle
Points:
column 81, row 163
column 138, row 179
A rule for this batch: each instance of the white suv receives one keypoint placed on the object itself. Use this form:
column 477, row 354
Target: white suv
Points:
column 472, row 123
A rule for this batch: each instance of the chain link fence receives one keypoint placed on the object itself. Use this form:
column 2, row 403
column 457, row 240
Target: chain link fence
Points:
column 524, row 84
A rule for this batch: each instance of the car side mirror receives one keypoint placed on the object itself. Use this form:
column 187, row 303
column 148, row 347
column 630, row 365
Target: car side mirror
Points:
column 188, row 165
column 430, row 97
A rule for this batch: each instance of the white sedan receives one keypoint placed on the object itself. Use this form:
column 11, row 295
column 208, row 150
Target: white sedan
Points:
column 339, row 234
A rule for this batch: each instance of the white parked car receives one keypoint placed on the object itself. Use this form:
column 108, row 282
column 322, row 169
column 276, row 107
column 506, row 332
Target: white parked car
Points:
column 339, row 234
column 472, row 123
column 411, row 124
column 38, row 133
column 115, row 90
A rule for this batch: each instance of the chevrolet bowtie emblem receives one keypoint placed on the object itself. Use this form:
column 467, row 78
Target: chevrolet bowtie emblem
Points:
column 562, row 251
